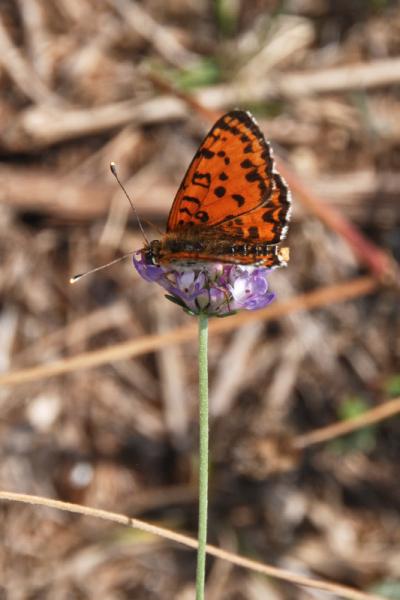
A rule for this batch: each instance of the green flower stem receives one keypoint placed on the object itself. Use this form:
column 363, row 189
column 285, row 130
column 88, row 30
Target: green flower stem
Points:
column 203, row 455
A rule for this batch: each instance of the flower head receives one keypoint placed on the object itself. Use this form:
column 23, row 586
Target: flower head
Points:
column 217, row 289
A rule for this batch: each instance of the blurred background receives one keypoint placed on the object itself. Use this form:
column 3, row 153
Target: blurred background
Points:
column 84, row 82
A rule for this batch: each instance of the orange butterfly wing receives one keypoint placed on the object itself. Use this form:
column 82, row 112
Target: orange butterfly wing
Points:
column 231, row 189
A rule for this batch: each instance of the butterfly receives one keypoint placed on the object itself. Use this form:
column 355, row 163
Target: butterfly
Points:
column 232, row 205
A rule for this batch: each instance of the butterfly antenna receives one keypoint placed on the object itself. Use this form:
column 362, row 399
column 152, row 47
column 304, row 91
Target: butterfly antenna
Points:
column 113, row 168
column 76, row 278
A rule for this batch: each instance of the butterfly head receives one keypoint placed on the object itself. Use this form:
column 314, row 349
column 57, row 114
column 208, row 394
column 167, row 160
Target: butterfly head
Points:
column 151, row 252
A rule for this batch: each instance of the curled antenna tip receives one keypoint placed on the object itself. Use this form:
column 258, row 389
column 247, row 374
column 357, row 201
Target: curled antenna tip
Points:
column 75, row 278
column 113, row 168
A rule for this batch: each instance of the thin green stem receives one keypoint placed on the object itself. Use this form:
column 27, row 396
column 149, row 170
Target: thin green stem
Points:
column 203, row 455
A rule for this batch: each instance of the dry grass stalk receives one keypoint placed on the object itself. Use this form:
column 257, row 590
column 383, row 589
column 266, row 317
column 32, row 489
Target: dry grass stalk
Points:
column 386, row 410
column 321, row 297
column 341, row 590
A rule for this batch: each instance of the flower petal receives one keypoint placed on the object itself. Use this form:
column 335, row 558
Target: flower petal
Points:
column 217, row 289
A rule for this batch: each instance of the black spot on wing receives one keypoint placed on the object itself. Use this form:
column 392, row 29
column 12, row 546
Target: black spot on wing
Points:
column 201, row 179
column 247, row 164
column 239, row 199
column 191, row 199
column 253, row 232
column 202, row 216
column 206, row 153
column 186, row 211
column 220, row 191
column 253, row 176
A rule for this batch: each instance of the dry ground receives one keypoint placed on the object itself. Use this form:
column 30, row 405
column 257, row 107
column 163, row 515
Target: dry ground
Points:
column 79, row 85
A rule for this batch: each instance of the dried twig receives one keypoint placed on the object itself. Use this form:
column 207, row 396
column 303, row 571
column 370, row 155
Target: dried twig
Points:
column 370, row 417
column 78, row 331
column 172, row 376
column 339, row 79
column 28, row 189
column 374, row 257
column 41, row 126
column 372, row 74
column 20, row 71
column 228, row 380
column 49, row 193
column 159, row 36
column 321, row 297
column 354, row 193
column 38, row 37
column 288, row 36
column 283, row 574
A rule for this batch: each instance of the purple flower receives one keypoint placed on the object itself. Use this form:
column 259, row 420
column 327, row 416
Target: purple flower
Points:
column 218, row 289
